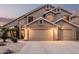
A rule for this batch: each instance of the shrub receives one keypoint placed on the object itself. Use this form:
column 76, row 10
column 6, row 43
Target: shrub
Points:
column 14, row 39
column 4, row 37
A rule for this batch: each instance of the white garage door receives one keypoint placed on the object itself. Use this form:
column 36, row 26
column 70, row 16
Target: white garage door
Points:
column 40, row 35
column 67, row 34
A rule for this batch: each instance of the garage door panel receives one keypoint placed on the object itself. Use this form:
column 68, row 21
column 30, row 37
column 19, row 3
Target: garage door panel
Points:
column 40, row 35
column 67, row 34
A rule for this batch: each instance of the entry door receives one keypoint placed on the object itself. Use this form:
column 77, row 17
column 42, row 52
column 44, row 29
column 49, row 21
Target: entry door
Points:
column 40, row 35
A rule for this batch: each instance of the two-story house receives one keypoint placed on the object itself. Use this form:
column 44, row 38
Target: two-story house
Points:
column 47, row 23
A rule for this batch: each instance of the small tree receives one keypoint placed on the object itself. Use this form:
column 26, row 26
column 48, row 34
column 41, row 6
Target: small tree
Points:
column 17, row 31
column 14, row 31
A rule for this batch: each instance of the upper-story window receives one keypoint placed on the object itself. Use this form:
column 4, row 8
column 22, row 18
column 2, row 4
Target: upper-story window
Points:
column 58, row 9
column 50, row 16
column 44, row 16
column 30, row 18
column 66, row 17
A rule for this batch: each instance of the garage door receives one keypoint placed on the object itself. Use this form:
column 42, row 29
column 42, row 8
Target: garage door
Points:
column 40, row 35
column 67, row 34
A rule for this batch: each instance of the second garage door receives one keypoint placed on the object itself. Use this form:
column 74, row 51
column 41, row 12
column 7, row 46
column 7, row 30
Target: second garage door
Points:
column 67, row 34
column 40, row 35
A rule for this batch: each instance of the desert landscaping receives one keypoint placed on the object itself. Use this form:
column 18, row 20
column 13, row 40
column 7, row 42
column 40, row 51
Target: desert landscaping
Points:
column 15, row 47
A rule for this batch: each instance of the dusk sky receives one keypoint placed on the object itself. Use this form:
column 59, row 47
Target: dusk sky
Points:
column 16, row 10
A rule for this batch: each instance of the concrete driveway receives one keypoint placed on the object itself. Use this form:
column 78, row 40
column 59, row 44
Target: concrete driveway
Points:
column 50, row 47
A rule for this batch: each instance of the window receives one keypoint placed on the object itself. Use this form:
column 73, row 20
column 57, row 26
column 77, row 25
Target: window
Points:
column 50, row 17
column 40, row 22
column 58, row 9
column 47, row 8
column 44, row 15
column 30, row 19
column 66, row 17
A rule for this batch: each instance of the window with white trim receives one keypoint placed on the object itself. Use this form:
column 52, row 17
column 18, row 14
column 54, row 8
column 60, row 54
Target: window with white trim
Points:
column 50, row 16
column 66, row 17
column 30, row 19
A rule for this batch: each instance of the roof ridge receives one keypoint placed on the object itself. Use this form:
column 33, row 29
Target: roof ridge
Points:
column 50, row 10
column 64, row 9
column 28, row 13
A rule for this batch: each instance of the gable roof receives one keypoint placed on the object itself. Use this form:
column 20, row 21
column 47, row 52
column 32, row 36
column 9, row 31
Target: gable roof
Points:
column 51, row 11
column 64, row 10
column 61, row 19
column 36, row 9
column 57, row 12
column 73, row 16
column 43, row 19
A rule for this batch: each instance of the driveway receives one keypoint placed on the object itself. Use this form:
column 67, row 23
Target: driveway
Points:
column 50, row 47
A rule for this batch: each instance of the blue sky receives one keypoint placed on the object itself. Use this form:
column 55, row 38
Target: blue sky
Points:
column 16, row 10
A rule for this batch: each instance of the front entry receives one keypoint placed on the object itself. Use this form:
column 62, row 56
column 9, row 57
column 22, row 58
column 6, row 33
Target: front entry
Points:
column 40, row 34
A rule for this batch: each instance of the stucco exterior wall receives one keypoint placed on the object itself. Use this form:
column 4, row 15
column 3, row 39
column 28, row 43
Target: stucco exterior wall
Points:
column 22, row 22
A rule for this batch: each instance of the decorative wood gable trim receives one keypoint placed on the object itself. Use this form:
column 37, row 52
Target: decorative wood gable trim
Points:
column 26, row 14
column 57, row 11
column 64, row 10
column 43, row 19
column 73, row 16
column 34, row 10
column 67, row 22
column 50, row 11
